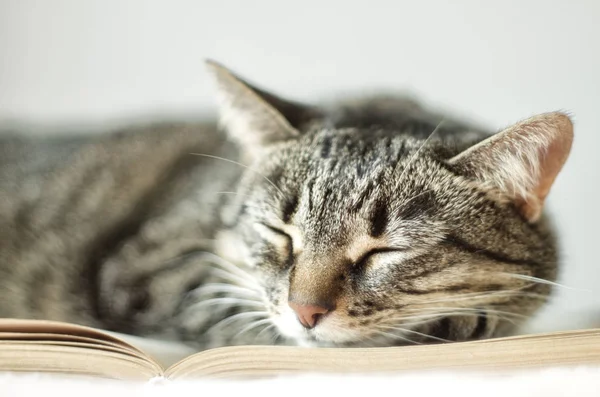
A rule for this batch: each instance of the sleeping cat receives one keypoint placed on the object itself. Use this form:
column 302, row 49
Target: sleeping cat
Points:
column 369, row 222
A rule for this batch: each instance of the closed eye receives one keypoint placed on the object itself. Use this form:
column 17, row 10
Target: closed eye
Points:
column 271, row 233
column 277, row 231
column 362, row 262
column 279, row 239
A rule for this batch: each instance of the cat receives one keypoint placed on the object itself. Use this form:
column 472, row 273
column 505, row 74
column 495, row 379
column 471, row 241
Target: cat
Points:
column 371, row 221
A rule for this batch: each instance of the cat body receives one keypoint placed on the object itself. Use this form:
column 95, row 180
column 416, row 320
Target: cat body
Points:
column 369, row 222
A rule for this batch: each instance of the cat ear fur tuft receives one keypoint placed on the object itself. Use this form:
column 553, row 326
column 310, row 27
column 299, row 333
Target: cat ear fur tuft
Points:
column 253, row 117
column 522, row 161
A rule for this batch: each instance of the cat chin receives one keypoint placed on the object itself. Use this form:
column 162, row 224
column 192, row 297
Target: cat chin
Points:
column 330, row 333
column 289, row 326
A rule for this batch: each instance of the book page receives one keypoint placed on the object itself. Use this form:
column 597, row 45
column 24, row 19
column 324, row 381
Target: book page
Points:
column 47, row 346
column 519, row 352
column 38, row 327
column 164, row 352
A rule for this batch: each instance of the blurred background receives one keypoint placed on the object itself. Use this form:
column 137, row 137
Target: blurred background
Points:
column 100, row 62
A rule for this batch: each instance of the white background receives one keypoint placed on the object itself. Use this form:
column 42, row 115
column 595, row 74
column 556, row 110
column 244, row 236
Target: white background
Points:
column 496, row 62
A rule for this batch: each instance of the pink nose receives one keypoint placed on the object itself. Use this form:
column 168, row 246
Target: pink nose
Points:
column 308, row 315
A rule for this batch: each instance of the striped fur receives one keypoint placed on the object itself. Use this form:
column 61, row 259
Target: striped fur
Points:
column 409, row 226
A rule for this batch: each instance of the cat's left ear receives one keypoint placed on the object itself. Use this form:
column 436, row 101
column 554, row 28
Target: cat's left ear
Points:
column 522, row 161
column 254, row 117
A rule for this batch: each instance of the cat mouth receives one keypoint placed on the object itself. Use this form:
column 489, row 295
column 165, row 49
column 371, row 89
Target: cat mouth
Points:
column 322, row 335
column 330, row 331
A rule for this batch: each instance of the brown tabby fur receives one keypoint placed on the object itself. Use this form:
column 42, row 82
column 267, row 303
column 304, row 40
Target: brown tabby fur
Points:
column 366, row 207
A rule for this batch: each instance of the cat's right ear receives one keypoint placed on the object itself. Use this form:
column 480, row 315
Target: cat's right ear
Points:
column 254, row 117
column 522, row 161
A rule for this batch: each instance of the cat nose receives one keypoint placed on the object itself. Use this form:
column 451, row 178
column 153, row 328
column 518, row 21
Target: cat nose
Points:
column 308, row 315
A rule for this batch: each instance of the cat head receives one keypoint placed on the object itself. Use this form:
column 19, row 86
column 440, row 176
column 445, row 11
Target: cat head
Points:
column 375, row 236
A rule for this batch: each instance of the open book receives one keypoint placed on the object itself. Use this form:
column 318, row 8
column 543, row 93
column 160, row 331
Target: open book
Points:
column 45, row 346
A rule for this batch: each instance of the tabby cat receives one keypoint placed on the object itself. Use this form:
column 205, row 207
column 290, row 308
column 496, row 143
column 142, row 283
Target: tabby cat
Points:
column 369, row 222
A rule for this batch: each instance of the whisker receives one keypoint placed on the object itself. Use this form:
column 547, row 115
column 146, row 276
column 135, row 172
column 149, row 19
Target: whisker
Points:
column 236, row 193
column 275, row 337
column 414, row 332
column 394, row 336
column 228, row 265
column 475, row 295
column 414, row 156
column 250, row 284
column 479, row 314
column 468, row 309
column 188, row 255
column 542, row 281
column 413, row 317
column 213, row 288
column 236, row 317
column 422, row 322
column 253, row 325
column 462, row 312
column 439, row 316
column 436, row 313
column 241, row 165
column 233, row 273
column 266, row 329
column 227, row 301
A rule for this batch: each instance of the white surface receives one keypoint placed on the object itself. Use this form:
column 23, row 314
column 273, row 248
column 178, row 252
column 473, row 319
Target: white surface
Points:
column 580, row 382
column 105, row 59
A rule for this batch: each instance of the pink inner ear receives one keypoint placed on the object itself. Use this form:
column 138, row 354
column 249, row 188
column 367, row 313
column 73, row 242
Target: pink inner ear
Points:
column 552, row 158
